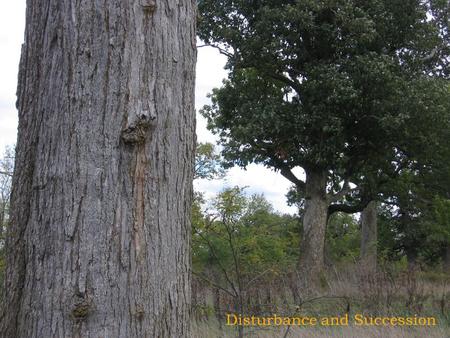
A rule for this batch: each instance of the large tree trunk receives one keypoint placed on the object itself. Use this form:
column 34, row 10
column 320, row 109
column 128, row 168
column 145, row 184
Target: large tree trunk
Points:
column 99, row 239
column 311, row 262
column 369, row 237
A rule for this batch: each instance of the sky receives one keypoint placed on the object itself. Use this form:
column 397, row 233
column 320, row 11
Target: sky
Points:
column 210, row 72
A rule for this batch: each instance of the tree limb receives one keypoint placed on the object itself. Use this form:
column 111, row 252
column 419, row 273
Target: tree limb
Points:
column 344, row 191
column 340, row 194
column 256, row 278
column 284, row 79
column 348, row 208
column 272, row 74
column 221, row 50
column 288, row 174
column 217, row 286
column 431, row 55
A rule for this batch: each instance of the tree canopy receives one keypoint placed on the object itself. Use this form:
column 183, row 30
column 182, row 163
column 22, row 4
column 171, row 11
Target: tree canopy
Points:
column 349, row 90
column 335, row 85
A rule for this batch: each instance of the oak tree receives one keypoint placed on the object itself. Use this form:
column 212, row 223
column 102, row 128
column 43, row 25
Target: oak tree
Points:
column 328, row 86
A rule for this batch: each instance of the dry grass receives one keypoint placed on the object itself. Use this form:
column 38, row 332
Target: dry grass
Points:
column 350, row 290
column 211, row 330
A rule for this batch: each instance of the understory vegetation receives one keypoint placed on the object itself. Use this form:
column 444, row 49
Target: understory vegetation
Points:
column 245, row 262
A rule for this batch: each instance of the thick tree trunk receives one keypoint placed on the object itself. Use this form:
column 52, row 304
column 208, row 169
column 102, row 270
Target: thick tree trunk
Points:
column 369, row 237
column 99, row 240
column 311, row 262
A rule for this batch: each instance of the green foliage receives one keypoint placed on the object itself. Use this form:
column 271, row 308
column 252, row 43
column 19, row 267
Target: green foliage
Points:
column 242, row 237
column 343, row 238
column 437, row 220
column 420, row 231
column 208, row 164
column 355, row 88
column 262, row 239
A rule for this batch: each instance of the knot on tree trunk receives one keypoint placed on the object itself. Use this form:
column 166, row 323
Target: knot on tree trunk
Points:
column 81, row 309
column 140, row 312
column 149, row 6
column 136, row 131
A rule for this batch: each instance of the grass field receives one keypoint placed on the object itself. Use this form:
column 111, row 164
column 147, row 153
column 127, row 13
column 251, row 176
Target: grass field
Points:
column 384, row 294
column 212, row 330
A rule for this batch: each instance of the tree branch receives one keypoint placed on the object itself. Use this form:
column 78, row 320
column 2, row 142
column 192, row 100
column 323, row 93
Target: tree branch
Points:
column 283, row 79
column 272, row 74
column 217, row 286
column 221, row 50
column 256, row 278
column 431, row 55
column 288, row 174
column 213, row 252
column 349, row 209
column 280, row 165
column 344, row 191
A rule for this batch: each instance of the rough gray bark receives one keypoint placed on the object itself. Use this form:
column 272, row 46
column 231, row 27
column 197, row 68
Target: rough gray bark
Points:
column 99, row 240
column 311, row 262
column 369, row 236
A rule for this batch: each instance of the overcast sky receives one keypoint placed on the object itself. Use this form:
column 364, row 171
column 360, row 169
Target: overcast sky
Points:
column 210, row 73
